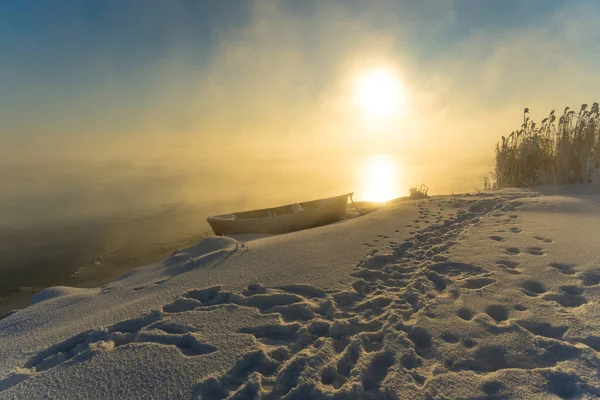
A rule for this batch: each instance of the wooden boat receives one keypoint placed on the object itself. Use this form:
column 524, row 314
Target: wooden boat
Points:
column 288, row 218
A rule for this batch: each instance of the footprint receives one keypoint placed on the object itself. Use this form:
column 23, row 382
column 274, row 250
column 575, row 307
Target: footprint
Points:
column 515, row 230
column 421, row 339
column 456, row 269
column 544, row 329
column 563, row 385
column 450, row 338
column 465, row 314
column 498, row 312
column 512, row 251
column 146, row 329
column 508, row 264
column 543, row 239
column 497, row 238
column 572, row 290
column 491, row 388
column 477, row 283
column 535, row 251
column 590, row 278
column 571, row 297
column 377, row 371
column 566, row 269
column 411, row 361
column 533, row 288
column 419, row 379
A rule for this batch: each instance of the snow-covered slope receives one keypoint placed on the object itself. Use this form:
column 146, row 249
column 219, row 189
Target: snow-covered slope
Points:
column 493, row 295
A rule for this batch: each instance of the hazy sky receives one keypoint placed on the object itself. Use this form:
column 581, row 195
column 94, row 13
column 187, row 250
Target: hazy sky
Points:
column 82, row 78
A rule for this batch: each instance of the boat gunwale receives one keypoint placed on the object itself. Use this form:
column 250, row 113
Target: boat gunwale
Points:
column 220, row 217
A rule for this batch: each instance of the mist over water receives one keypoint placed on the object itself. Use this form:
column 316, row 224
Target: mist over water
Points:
column 84, row 223
column 54, row 194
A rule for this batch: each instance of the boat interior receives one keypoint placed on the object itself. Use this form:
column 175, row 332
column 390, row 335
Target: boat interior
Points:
column 282, row 210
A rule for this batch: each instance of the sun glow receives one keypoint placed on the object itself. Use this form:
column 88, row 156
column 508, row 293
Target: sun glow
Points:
column 380, row 178
column 379, row 93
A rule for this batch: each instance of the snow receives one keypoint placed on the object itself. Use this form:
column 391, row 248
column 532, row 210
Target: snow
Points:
column 54, row 292
column 468, row 296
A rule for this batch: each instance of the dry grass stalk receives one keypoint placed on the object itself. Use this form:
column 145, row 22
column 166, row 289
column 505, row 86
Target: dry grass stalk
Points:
column 567, row 151
column 418, row 192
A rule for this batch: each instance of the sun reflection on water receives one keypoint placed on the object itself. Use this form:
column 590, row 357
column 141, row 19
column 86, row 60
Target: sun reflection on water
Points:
column 380, row 179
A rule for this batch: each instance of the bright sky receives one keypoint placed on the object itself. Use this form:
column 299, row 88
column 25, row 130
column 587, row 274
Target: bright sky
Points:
column 119, row 74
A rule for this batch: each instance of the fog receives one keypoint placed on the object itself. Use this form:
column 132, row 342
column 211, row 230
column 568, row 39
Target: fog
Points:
column 269, row 117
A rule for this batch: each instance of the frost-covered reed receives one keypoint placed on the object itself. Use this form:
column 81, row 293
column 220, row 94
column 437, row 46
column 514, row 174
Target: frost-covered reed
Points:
column 561, row 149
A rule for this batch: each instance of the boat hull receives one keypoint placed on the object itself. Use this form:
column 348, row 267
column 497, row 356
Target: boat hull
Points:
column 315, row 213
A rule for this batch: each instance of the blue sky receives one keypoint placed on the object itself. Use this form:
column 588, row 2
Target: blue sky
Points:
column 116, row 67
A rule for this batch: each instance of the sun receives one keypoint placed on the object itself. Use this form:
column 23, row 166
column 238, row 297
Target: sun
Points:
column 380, row 178
column 379, row 92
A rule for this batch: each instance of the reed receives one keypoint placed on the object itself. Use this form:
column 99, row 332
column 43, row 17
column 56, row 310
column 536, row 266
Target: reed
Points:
column 564, row 149
column 420, row 192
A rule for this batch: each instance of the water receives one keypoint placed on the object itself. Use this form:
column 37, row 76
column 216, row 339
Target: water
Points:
column 57, row 220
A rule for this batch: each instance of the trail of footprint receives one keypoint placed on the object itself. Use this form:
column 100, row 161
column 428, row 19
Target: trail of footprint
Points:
column 341, row 338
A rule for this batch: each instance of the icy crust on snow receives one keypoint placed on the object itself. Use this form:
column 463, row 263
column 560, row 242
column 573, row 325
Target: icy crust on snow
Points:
column 486, row 296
